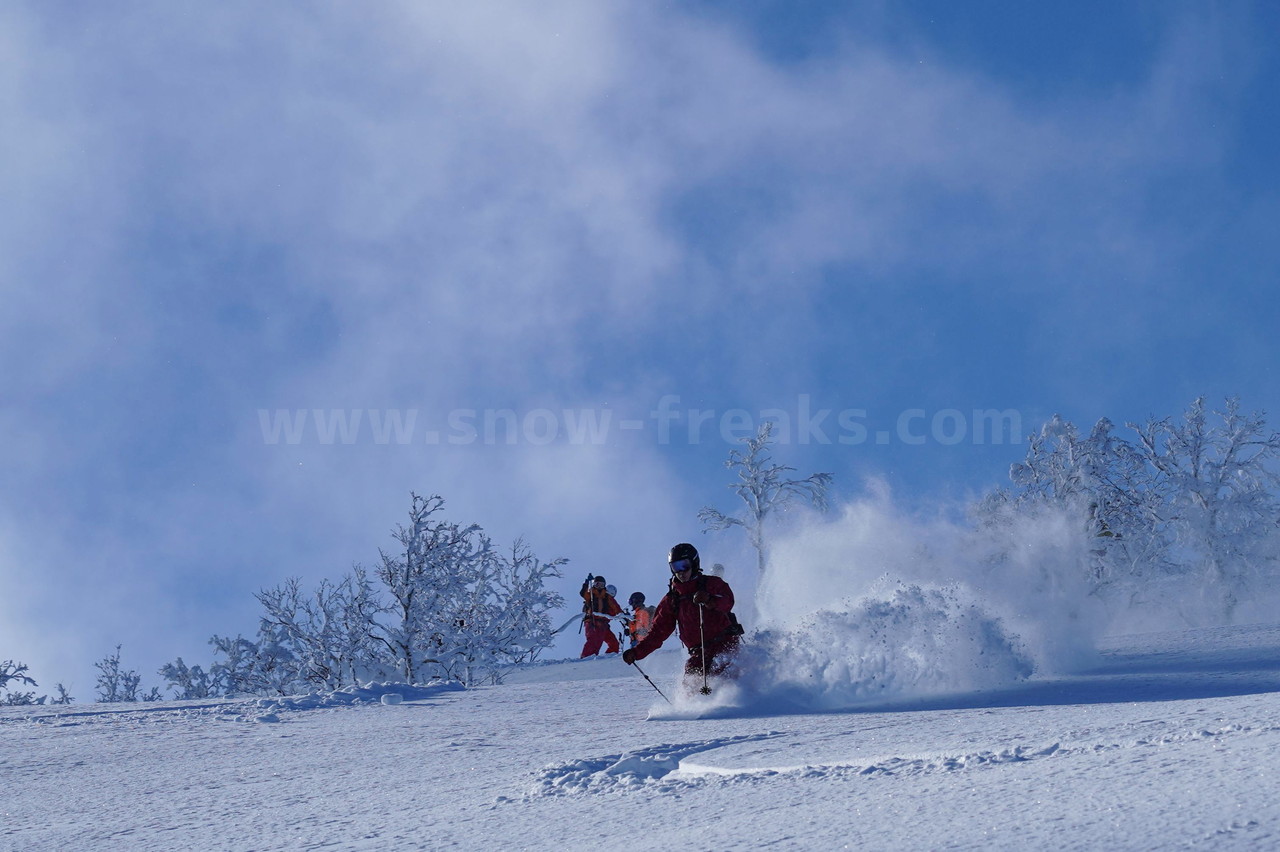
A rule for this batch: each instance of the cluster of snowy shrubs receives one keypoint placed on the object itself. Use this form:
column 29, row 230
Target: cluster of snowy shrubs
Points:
column 445, row 604
column 1181, row 515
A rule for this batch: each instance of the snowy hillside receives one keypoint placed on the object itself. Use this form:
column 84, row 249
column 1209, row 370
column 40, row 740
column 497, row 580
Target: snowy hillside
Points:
column 1170, row 741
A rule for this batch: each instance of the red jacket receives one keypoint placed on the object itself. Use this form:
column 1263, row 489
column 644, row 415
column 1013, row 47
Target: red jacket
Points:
column 678, row 609
column 598, row 606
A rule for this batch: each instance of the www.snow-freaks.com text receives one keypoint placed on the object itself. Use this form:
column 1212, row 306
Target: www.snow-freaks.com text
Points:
column 668, row 422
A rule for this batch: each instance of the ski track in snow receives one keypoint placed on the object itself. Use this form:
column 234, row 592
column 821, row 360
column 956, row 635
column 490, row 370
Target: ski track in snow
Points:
column 671, row 765
column 630, row 769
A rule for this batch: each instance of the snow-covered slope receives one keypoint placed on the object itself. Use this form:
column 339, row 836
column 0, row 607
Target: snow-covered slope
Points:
column 1171, row 741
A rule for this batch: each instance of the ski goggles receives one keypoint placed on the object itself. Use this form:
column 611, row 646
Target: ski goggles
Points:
column 681, row 565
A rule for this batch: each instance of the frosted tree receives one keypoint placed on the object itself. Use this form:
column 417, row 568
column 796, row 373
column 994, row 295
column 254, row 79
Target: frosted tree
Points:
column 1103, row 482
column 444, row 604
column 187, row 681
column 467, row 647
column 115, row 683
column 765, row 488
column 504, row 616
column 233, row 675
column 12, row 672
column 275, row 668
column 329, row 632
column 1218, row 484
column 1189, row 506
column 430, row 580
column 524, row 625
column 21, row 699
column 255, row 668
column 286, row 616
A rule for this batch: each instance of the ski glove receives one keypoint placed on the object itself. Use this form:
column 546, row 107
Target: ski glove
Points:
column 700, row 597
column 629, row 656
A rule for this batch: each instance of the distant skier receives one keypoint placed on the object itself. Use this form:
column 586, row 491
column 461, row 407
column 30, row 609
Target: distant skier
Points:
column 641, row 620
column 597, row 608
column 701, row 607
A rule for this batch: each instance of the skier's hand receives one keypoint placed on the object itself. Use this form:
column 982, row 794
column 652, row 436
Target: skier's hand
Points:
column 700, row 597
column 629, row 656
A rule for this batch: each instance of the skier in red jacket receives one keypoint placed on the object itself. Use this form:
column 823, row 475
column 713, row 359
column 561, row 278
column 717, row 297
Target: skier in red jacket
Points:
column 597, row 608
column 701, row 607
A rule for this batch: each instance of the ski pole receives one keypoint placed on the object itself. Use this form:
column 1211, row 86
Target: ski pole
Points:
column 702, row 651
column 651, row 683
column 586, row 604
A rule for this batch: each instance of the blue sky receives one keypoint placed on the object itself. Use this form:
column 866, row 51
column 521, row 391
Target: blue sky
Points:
column 902, row 212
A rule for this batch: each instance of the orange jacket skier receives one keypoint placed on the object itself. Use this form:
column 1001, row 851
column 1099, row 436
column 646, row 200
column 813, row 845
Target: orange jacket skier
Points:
column 641, row 620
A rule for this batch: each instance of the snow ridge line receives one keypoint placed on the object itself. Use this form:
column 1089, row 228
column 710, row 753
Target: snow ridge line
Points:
column 132, row 709
column 370, row 693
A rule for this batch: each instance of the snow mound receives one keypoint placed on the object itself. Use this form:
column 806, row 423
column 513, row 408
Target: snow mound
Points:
column 371, row 693
column 915, row 641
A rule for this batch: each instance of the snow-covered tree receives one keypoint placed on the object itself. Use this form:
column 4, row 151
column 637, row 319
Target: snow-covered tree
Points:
column 21, row 699
column 244, row 669
column 264, row 667
column 458, row 608
column 115, row 683
column 467, row 648
column 1218, row 485
column 1187, row 510
column 764, row 487
column 330, row 632
column 445, row 604
column 1103, row 481
column 430, row 580
column 13, row 672
column 276, row 670
column 187, row 682
column 524, row 626
column 505, row 615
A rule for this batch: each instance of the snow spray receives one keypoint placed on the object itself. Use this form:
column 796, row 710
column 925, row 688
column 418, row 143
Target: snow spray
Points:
column 875, row 605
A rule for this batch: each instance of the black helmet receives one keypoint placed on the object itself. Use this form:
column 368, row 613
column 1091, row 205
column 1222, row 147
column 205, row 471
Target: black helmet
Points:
column 684, row 550
column 636, row 599
column 597, row 579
